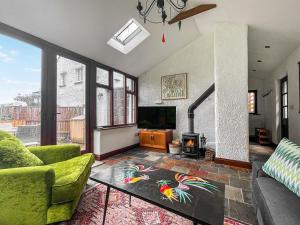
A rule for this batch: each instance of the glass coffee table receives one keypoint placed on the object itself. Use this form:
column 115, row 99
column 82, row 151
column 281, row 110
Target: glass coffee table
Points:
column 196, row 199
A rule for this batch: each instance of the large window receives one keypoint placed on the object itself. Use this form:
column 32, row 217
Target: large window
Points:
column 20, row 94
column 116, row 98
column 48, row 93
column 252, row 102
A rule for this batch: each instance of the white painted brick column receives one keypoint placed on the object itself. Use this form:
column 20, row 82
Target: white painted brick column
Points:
column 231, row 80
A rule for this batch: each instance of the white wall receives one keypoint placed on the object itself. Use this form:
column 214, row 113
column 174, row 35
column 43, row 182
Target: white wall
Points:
column 257, row 121
column 289, row 67
column 113, row 139
column 196, row 59
column 231, row 79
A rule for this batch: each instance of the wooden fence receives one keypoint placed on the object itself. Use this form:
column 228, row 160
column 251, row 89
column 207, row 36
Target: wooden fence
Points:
column 73, row 129
column 77, row 131
column 70, row 120
column 13, row 123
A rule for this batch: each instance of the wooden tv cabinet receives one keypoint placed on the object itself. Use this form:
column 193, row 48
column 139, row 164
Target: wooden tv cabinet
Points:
column 158, row 139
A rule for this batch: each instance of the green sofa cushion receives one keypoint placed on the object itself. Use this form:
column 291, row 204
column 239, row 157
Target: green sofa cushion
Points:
column 70, row 177
column 284, row 165
column 60, row 212
column 5, row 135
column 13, row 154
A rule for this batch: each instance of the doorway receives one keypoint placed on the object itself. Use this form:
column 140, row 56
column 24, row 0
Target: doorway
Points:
column 70, row 102
column 284, row 108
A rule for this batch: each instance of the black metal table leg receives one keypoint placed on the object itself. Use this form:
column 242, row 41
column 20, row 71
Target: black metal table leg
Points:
column 106, row 203
column 130, row 200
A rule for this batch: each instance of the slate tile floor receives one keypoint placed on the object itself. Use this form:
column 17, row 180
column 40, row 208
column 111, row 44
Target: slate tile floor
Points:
column 238, row 190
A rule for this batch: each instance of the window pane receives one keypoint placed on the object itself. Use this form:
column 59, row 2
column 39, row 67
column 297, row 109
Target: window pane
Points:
column 130, row 29
column 284, row 87
column 102, row 76
column 129, row 84
column 103, row 107
column 285, row 100
column 78, row 75
column 251, row 102
column 251, row 109
column 119, row 98
column 127, row 34
column 285, row 113
column 20, row 94
column 131, row 108
column 71, row 102
column 62, row 79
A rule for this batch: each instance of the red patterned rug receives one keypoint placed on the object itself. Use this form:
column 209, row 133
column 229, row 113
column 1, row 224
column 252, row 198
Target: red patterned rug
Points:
column 90, row 211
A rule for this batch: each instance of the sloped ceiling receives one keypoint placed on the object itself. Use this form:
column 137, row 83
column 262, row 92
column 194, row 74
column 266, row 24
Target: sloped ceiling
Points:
column 86, row 26
column 271, row 22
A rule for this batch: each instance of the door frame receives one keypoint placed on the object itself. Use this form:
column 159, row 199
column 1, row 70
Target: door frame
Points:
column 52, row 96
column 283, row 80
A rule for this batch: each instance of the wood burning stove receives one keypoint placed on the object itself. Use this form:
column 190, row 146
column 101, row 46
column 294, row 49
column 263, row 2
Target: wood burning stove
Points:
column 190, row 141
column 190, row 144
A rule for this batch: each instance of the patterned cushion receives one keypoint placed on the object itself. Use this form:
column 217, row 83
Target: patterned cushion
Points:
column 284, row 165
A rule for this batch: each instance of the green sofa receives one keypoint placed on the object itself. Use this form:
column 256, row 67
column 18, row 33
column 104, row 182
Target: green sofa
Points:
column 45, row 194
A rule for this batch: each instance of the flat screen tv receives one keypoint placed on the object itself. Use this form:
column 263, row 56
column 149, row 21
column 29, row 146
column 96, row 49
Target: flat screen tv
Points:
column 157, row 117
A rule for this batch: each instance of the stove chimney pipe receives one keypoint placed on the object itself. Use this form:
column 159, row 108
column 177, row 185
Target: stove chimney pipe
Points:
column 193, row 106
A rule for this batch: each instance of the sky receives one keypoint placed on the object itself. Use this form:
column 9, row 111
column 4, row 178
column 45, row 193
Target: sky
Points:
column 20, row 68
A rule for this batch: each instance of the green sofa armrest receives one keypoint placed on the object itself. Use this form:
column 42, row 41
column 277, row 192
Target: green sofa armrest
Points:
column 55, row 153
column 25, row 195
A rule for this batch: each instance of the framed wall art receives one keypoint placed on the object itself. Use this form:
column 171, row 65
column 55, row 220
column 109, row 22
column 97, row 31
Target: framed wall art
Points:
column 174, row 87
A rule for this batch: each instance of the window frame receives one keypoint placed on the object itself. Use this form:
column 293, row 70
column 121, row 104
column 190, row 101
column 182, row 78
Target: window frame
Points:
column 110, row 107
column 49, row 83
column 134, row 93
column 131, row 41
column 129, row 37
column 111, row 88
column 282, row 95
column 255, row 102
column 63, row 79
column 284, row 120
column 79, row 75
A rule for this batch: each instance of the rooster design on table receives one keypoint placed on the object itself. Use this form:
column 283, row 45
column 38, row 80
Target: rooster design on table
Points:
column 131, row 173
column 180, row 193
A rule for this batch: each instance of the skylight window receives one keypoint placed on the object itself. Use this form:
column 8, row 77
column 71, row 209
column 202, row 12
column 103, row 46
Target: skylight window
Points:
column 128, row 37
column 128, row 33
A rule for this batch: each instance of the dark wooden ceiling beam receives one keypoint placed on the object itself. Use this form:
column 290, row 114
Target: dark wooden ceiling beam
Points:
column 192, row 12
